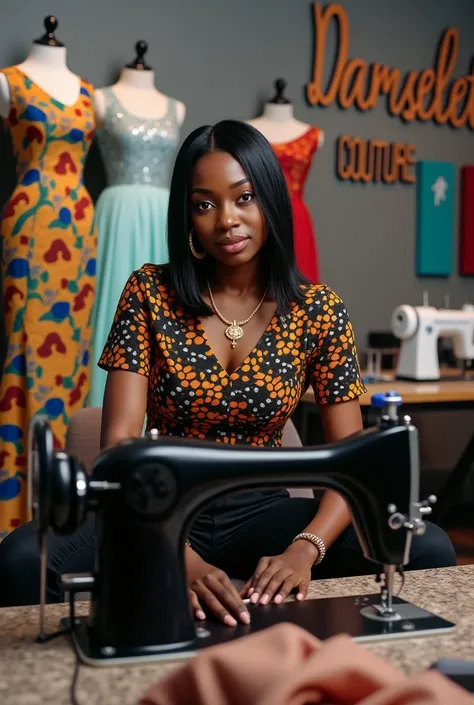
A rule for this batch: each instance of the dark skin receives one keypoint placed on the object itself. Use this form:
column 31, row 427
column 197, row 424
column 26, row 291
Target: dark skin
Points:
column 224, row 209
column 222, row 206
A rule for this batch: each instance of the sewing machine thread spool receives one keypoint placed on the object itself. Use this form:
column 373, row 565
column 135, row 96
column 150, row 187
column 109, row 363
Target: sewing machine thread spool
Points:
column 389, row 403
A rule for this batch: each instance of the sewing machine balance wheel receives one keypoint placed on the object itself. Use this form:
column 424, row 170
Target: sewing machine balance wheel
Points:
column 56, row 495
column 40, row 470
column 57, row 483
column 145, row 493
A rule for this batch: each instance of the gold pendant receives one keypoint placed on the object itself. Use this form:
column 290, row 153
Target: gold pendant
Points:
column 234, row 332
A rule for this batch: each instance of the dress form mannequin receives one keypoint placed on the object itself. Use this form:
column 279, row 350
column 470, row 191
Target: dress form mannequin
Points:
column 48, row 263
column 294, row 144
column 277, row 122
column 46, row 66
column 138, row 136
column 136, row 90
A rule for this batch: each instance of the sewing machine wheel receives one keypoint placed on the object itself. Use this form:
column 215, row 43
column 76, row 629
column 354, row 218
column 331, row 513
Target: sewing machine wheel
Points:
column 40, row 452
column 323, row 618
column 57, row 485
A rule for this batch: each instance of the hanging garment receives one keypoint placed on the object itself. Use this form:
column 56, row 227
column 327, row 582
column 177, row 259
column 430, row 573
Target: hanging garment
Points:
column 131, row 212
column 295, row 159
column 466, row 222
column 48, row 277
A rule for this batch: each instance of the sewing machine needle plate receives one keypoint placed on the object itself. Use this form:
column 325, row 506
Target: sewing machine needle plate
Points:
column 326, row 617
column 323, row 617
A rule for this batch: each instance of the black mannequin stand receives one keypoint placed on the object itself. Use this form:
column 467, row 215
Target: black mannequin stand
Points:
column 279, row 98
column 49, row 39
column 138, row 63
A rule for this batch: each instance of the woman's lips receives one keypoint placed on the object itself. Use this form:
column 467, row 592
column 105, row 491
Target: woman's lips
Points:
column 234, row 245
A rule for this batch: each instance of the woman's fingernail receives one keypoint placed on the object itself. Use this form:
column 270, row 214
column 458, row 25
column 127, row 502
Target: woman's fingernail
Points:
column 265, row 599
column 245, row 617
column 254, row 598
column 200, row 614
column 230, row 621
column 250, row 591
column 278, row 599
column 300, row 596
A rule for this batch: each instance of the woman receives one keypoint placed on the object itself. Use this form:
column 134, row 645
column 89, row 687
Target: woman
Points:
column 221, row 345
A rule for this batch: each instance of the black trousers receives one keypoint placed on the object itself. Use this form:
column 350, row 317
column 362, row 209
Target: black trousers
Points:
column 233, row 535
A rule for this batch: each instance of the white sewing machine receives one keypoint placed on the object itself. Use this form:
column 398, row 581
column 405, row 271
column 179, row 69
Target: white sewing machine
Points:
column 419, row 327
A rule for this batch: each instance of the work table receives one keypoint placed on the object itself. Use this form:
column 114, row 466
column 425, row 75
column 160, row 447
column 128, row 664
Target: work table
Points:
column 447, row 390
column 36, row 674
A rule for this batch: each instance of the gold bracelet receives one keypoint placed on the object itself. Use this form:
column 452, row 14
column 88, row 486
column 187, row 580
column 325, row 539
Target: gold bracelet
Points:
column 316, row 541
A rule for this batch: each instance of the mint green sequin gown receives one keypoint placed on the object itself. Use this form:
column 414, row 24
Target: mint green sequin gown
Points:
column 131, row 213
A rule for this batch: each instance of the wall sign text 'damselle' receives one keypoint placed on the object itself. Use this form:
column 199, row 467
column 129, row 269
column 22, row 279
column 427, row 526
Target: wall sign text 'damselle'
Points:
column 426, row 95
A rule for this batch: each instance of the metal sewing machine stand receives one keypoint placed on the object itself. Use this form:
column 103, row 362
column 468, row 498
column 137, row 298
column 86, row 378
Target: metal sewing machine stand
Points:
column 145, row 494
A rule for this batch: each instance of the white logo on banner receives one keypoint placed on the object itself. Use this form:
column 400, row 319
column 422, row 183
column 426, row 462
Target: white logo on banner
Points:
column 439, row 189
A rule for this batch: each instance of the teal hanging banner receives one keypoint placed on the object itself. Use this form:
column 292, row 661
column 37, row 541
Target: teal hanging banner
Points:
column 436, row 182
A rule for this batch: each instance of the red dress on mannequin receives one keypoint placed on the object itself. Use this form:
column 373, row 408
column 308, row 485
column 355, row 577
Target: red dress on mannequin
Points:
column 295, row 159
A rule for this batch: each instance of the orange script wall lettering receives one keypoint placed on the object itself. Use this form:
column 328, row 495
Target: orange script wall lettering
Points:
column 419, row 95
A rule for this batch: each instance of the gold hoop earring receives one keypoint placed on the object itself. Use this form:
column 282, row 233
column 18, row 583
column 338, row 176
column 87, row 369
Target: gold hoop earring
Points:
column 197, row 255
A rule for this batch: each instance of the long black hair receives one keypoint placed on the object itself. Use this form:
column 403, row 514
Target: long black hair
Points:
column 257, row 158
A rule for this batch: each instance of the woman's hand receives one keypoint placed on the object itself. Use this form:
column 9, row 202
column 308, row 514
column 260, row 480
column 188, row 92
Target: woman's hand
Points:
column 276, row 576
column 210, row 590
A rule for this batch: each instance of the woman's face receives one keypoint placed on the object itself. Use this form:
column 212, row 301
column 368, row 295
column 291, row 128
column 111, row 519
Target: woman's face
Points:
column 226, row 218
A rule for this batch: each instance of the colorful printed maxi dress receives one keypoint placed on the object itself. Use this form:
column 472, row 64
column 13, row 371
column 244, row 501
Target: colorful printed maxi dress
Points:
column 48, row 277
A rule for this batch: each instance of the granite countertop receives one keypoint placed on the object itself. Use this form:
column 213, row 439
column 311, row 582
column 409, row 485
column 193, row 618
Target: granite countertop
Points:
column 34, row 674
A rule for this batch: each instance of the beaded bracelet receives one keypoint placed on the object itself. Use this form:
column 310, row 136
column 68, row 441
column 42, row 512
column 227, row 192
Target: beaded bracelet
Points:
column 316, row 541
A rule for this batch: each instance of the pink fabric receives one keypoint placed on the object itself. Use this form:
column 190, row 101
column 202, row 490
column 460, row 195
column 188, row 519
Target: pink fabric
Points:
column 285, row 665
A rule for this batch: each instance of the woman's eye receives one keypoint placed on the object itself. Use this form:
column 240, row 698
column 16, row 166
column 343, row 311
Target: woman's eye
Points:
column 246, row 197
column 203, row 206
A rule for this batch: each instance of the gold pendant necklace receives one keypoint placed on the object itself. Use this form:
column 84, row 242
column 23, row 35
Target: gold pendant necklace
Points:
column 234, row 330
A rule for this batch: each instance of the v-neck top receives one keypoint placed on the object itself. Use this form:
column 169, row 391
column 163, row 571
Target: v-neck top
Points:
column 189, row 392
column 50, row 140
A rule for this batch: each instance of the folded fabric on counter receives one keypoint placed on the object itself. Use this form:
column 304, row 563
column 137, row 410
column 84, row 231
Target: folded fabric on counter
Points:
column 285, row 665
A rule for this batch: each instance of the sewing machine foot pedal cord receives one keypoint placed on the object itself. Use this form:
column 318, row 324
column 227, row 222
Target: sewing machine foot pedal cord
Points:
column 324, row 617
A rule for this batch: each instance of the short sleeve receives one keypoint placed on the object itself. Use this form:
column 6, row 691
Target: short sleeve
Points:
column 335, row 373
column 128, row 345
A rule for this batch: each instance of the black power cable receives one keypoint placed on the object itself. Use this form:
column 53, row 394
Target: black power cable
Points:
column 68, row 631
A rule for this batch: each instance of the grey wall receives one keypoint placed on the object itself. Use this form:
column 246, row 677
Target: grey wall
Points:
column 221, row 58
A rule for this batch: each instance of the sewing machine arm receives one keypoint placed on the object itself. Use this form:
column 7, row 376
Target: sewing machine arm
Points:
column 175, row 479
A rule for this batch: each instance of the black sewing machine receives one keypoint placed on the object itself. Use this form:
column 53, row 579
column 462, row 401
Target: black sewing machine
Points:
column 145, row 493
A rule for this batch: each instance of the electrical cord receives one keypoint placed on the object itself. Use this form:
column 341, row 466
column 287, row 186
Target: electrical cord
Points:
column 68, row 631
column 75, row 677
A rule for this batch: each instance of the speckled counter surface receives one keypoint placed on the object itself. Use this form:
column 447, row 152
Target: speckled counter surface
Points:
column 32, row 674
